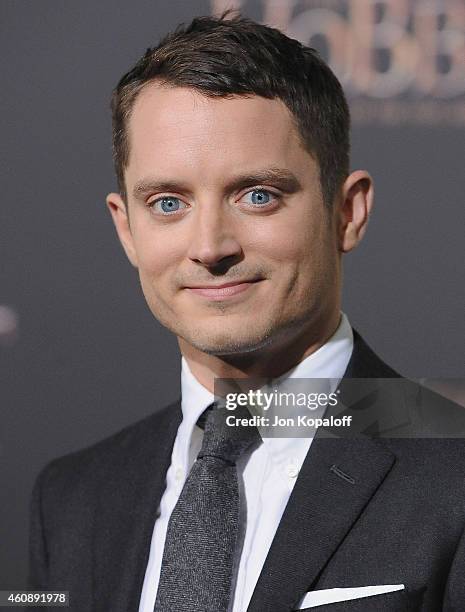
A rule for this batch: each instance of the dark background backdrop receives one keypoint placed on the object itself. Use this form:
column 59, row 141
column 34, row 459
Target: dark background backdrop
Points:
column 81, row 356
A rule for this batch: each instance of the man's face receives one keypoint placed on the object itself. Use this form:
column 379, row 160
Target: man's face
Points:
column 221, row 191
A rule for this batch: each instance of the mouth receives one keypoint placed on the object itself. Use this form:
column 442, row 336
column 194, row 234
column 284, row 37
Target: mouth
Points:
column 223, row 291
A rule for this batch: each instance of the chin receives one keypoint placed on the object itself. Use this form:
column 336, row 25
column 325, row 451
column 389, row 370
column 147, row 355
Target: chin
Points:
column 227, row 343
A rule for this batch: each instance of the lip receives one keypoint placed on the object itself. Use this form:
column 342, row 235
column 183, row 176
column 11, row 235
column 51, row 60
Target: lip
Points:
column 224, row 291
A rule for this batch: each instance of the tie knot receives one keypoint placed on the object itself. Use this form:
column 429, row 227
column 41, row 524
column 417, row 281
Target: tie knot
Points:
column 224, row 438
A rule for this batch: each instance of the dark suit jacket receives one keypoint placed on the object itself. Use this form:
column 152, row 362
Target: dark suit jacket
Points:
column 398, row 519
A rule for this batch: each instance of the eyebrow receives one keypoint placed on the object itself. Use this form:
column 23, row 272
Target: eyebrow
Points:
column 279, row 177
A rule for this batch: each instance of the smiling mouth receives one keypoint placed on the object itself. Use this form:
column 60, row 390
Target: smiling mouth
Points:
column 223, row 291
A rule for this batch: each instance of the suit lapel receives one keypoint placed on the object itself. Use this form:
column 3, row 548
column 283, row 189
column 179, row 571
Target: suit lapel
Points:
column 338, row 478
column 126, row 512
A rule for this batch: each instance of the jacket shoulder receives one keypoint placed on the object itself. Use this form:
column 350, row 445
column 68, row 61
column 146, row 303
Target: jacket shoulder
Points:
column 365, row 363
column 82, row 471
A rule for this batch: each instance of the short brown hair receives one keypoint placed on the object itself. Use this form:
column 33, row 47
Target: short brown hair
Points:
column 233, row 56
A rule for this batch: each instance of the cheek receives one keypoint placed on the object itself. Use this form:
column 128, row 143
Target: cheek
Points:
column 297, row 242
column 157, row 251
column 303, row 259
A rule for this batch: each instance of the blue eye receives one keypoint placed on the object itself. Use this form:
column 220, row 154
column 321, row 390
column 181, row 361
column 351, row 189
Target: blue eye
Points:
column 259, row 197
column 167, row 205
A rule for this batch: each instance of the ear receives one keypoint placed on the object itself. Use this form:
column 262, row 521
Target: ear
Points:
column 120, row 216
column 354, row 209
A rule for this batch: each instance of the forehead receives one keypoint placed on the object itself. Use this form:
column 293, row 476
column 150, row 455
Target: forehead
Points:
column 179, row 129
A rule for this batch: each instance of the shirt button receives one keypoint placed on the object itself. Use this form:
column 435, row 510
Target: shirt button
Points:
column 292, row 471
column 179, row 474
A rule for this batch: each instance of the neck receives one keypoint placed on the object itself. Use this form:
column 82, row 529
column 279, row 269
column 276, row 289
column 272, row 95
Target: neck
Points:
column 270, row 362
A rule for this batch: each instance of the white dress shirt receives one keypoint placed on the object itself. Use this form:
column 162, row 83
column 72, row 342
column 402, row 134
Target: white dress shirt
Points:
column 268, row 473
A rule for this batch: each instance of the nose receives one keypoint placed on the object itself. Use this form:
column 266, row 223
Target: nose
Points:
column 212, row 237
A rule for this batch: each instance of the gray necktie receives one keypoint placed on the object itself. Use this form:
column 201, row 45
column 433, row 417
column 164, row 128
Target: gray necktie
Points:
column 203, row 531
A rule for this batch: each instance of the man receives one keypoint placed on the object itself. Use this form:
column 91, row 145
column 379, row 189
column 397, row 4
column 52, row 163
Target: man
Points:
column 235, row 205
